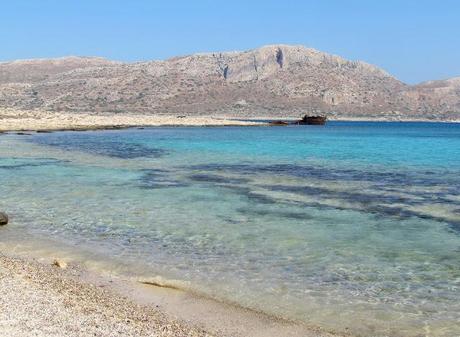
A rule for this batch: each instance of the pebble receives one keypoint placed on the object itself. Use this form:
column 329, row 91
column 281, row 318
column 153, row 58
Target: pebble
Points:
column 59, row 263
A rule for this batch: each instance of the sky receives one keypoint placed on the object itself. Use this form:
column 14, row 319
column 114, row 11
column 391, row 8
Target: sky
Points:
column 414, row 40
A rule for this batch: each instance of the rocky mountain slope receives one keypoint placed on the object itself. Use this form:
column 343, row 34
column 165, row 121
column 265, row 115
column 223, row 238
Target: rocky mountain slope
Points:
column 276, row 80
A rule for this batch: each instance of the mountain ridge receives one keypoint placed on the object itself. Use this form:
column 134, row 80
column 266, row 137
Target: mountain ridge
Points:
column 273, row 80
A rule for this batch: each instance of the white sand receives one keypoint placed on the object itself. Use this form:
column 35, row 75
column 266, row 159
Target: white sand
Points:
column 19, row 120
column 37, row 298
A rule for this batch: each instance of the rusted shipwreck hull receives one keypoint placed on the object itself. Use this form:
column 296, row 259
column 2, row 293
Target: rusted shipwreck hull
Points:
column 312, row 120
column 306, row 120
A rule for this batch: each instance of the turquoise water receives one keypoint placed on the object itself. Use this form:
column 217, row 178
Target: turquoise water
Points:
column 351, row 225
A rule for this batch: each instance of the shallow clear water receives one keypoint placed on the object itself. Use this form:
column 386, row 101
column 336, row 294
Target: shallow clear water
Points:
column 351, row 225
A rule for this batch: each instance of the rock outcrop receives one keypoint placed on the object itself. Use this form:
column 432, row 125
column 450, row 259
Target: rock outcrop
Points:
column 276, row 81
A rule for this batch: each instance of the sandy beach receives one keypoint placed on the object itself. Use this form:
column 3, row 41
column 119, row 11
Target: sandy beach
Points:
column 44, row 296
column 36, row 120
column 40, row 300
column 31, row 120
column 244, row 169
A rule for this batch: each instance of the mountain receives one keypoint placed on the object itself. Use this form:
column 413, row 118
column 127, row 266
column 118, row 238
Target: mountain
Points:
column 276, row 80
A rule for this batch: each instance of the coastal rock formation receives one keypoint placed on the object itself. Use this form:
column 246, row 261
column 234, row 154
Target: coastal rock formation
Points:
column 276, row 81
column 3, row 219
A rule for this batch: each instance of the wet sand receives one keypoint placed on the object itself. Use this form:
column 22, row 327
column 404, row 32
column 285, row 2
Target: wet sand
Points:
column 41, row 300
column 42, row 297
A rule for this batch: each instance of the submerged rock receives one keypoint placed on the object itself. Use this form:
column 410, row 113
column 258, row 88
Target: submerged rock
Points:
column 3, row 219
column 60, row 263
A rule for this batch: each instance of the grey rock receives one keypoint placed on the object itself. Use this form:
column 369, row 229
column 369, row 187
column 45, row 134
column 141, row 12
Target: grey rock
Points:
column 3, row 219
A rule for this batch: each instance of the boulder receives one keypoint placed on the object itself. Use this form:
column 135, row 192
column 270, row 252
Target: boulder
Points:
column 3, row 219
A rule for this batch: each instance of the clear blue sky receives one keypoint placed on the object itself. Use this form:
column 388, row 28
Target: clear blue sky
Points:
column 415, row 40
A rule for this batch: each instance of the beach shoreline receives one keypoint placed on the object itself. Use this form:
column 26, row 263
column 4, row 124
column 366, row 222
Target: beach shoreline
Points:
column 59, row 295
column 15, row 120
column 45, row 300
column 12, row 120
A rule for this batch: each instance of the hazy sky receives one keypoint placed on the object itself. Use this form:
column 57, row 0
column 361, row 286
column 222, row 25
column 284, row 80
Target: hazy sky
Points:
column 415, row 40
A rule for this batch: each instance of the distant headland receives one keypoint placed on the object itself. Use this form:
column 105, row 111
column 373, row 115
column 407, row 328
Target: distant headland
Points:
column 276, row 81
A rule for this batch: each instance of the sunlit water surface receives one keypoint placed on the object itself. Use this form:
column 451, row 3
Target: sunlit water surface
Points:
column 351, row 225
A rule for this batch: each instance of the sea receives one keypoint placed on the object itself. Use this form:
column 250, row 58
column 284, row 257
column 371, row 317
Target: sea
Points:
column 352, row 226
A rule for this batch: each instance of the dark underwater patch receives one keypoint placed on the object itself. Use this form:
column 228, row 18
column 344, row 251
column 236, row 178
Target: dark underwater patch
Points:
column 155, row 179
column 378, row 204
column 110, row 147
column 211, row 178
column 393, row 211
column 251, row 195
column 33, row 163
column 276, row 213
column 361, row 198
column 385, row 179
